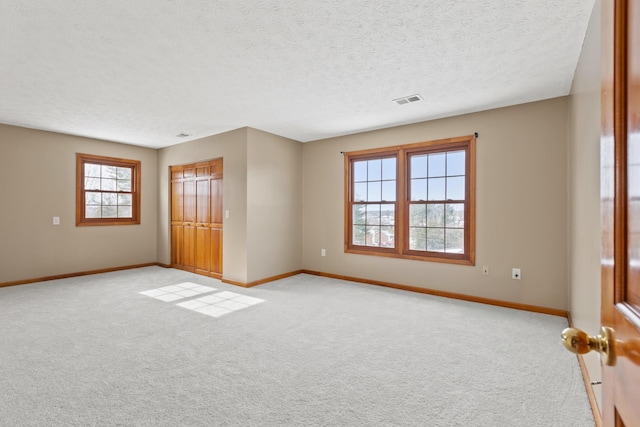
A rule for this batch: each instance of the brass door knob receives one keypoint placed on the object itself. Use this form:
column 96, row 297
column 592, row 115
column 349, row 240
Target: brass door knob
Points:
column 577, row 341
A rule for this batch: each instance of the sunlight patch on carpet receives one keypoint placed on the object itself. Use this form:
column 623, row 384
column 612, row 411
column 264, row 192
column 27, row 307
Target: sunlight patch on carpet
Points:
column 215, row 305
column 221, row 303
column 177, row 292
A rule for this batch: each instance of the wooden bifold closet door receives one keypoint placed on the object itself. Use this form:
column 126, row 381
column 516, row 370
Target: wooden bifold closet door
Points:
column 196, row 217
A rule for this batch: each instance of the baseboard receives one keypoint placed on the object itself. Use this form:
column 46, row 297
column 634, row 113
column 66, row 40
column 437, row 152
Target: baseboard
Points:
column 587, row 385
column 129, row 267
column 80, row 273
column 500, row 303
column 261, row 281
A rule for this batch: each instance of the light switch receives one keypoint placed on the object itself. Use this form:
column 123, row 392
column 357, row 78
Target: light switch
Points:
column 56, row 220
column 226, row 214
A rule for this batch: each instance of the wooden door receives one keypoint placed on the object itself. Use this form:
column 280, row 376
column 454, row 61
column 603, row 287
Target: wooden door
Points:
column 196, row 217
column 620, row 198
column 215, row 191
column 189, row 220
column 203, row 218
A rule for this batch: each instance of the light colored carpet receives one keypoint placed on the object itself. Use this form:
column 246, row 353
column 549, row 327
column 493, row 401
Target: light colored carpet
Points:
column 93, row 351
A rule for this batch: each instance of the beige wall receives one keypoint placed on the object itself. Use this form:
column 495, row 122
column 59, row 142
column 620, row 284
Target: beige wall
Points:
column 521, row 206
column 274, row 205
column 37, row 182
column 584, row 191
column 232, row 147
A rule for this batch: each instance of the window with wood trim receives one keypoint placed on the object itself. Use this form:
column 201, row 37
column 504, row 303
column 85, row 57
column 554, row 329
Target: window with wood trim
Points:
column 107, row 190
column 412, row 201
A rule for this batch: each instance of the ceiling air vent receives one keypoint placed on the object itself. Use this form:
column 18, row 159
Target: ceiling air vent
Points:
column 408, row 99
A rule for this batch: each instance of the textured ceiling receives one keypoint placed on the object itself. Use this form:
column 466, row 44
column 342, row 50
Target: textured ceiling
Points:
column 143, row 71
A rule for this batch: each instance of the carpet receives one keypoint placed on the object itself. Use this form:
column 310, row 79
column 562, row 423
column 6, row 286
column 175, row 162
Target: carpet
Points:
column 97, row 351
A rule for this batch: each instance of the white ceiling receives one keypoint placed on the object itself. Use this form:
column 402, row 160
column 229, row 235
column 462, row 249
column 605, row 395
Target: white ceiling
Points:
column 142, row 71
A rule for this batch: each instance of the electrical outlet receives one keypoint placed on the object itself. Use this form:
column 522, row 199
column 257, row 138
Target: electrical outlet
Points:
column 56, row 220
column 515, row 274
column 323, row 252
column 485, row 270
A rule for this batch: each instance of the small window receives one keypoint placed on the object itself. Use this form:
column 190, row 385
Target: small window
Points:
column 413, row 201
column 107, row 190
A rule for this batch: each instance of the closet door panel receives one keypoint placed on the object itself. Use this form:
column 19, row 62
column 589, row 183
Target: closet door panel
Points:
column 216, row 252
column 203, row 250
column 189, row 247
column 202, row 202
column 177, row 238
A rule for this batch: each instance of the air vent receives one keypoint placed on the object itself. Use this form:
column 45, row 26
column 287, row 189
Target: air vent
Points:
column 182, row 135
column 408, row 99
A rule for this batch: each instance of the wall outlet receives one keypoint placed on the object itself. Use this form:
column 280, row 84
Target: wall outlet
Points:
column 56, row 220
column 485, row 270
column 323, row 252
column 515, row 274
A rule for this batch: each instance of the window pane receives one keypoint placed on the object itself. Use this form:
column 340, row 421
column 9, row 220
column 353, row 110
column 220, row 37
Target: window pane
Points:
column 389, row 168
column 360, row 192
column 359, row 171
column 92, row 183
column 93, row 211
column 109, row 212
column 387, row 237
column 373, row 236
column 123, row 173
column 375, row 170
column 108, row 184
column 455, row 163
column 359, row 235
column 454, row 215
column 387, row 214
column 419, row 166
column 125, row 200
column 109, row 199
column 92, row 198
column 359, row 214
column 437, row 164
column 417, row 215
column 436, row 189
column 124, row 211
column 123, row 185
column 373, row 214
column 455, row 188
column 374, row 191
column 418, row 239
column 108, row 171
column 389, row 191
column 91, row 169
column 435, row 215
column 418, row 189
column 455, row 241
column 435, row 239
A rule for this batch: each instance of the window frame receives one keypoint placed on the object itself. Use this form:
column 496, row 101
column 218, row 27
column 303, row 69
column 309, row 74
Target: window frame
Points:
column 135, row 165
column 403, row 154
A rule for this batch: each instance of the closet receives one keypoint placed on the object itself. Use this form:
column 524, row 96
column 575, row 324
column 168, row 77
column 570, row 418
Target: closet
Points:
column 196, row 217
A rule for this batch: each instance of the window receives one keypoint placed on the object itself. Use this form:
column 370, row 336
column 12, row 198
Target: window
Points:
column 107, row 190
column 413, row 201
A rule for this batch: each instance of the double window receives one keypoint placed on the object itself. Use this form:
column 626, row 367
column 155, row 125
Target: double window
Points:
column 413, row 201
column 107, row 190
